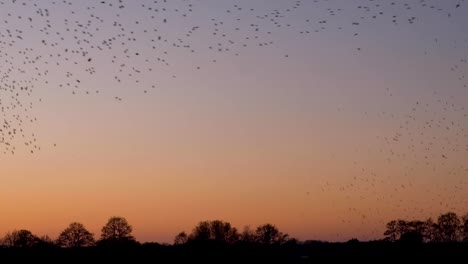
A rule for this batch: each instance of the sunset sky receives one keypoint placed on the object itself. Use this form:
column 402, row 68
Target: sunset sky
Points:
column 327, row 134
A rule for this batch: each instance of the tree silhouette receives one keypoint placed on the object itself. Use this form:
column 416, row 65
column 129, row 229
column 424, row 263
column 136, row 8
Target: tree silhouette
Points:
column 223, row 232
column 181, row 238
column 201, row 232
column 20, row 238
column 216, row 230
column 353, row 241
column 449, row 227
column 46, row 240
column 269, row 234
column 392, row 233
column 75, row 235
column 117, row 229
column 428, row 230
column 464, row 231
column 247, row 235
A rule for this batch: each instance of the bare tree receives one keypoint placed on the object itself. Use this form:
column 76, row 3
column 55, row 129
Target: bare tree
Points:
column 181, row 238
column 117, row 229
column 392, row 233
column 216, row 230
column 247, row 235
column 464, row 231
column 427, row 230
column 75, row 235
column 269, row 234
column 449, row 225
column 20, row 238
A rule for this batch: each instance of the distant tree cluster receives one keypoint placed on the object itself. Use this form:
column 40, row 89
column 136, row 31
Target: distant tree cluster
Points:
column 223, row 232
column 117, row 231
column 20, row 238
column 448, row 228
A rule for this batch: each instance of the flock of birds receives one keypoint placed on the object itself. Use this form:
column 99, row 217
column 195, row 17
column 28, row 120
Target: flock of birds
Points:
column 62, row 44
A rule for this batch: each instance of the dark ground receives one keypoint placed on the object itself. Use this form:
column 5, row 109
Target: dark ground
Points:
column 314, row 252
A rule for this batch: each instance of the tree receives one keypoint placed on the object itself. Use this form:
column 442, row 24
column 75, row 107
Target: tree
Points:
column 45, row 242
column 216, row 230
column 464, row 231
column 392, row 233
column 117, row 229
column 46, row 239
column 223, row 232
column 449, row 227
column 20, row 238
column 75, row 235
column 247, row 235
column 353, row 241
column 427, row 230
column 396, row 228
column 181, row 238
column 269, row 234
column 201, row 232
column 431, row 231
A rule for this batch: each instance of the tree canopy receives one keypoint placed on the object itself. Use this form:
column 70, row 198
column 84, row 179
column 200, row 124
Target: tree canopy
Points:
column 117, row 230
column 75, row 235
column 20, row 238
column 448, row 228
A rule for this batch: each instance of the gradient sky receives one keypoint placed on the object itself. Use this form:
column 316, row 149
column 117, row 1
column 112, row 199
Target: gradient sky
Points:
column 329, row 142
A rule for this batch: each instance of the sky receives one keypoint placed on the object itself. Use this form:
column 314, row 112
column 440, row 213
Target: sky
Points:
column 310, row 115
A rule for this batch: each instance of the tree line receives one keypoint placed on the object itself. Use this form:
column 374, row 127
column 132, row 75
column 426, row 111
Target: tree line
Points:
column 448, row 228
column 118, row 232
